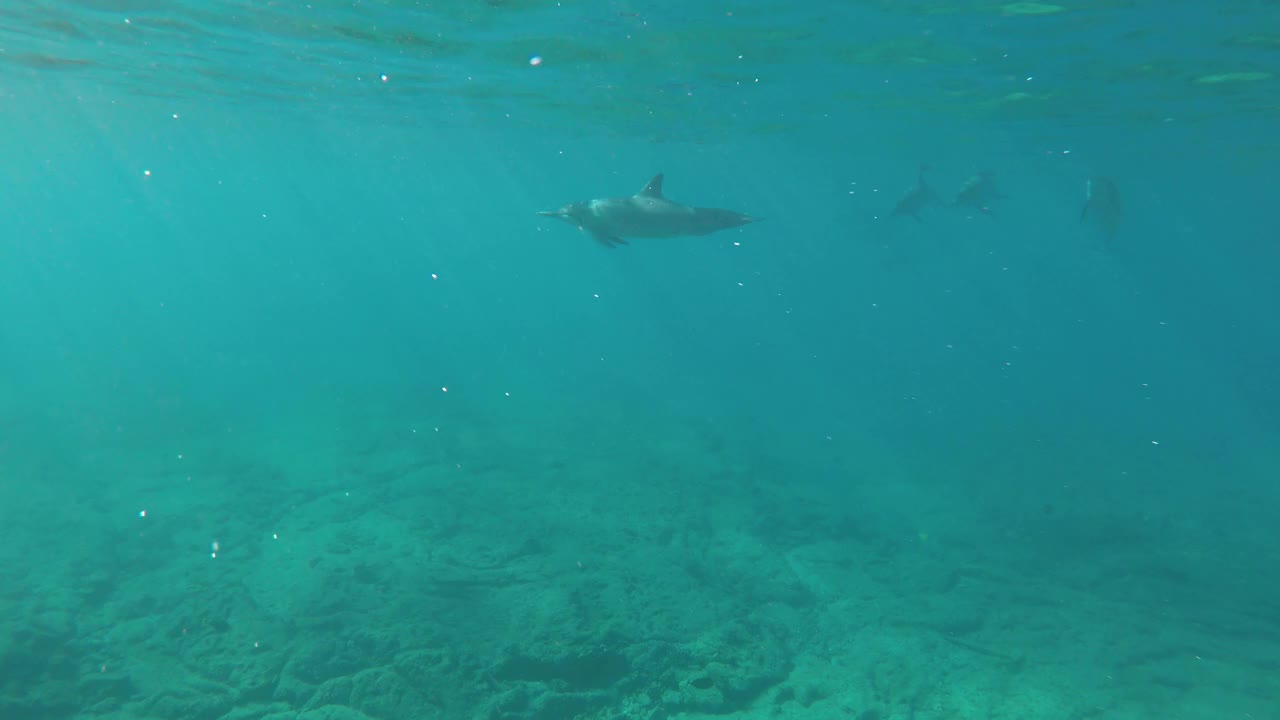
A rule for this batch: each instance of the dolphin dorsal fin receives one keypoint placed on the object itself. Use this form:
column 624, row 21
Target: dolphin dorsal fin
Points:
column 653, row 189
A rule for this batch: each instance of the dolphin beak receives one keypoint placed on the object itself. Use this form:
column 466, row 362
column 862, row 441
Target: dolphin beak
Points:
column 550, row 213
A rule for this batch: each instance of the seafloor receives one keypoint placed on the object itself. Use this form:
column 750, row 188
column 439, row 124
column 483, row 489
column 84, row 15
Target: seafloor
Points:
column 608, row 567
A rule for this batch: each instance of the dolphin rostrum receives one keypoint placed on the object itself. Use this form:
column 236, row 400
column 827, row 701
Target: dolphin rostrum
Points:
column 647, row 214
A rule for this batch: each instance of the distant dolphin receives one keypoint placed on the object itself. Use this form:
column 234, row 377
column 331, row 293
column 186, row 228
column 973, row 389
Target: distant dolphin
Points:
column 1102, row 206
column 647, row 214
column 919, row 197
column 979, row 192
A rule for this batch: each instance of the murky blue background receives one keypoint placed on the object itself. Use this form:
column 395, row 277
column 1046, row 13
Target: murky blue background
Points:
column 305, row 414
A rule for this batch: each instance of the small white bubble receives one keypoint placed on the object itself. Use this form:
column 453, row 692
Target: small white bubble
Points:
column 142, row 513
column 535, row 60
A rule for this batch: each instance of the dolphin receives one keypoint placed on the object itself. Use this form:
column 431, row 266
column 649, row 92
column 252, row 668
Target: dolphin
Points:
column 647, row 214
column 919, row 197
column 1102, row 206
column 979, row 192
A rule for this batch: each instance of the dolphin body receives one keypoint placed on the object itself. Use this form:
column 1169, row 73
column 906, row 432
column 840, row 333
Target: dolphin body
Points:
column 918, row 198
column 647, row 214
column 979, row 192
column 1102, row 206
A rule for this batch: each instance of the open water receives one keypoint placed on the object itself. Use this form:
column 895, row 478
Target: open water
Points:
column 305, row 414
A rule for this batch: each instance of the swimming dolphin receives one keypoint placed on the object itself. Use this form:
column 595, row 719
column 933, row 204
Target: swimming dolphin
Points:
column 919, row 197
column 1102, row 206
column 979, row 192
column 647, row 214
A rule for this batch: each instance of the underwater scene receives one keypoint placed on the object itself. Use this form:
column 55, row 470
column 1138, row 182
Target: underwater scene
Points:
column 622, row 360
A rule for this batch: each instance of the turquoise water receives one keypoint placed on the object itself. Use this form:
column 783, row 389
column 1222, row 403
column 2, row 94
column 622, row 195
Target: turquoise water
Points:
column 306, row 415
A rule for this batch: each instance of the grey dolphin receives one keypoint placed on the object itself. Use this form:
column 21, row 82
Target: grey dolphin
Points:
column 919, row 197
column 1102, row 206
column 979, row 192
column 647, row 214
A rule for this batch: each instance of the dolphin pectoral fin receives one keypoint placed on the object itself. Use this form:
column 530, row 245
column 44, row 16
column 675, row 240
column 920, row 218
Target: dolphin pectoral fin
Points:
column 609, row 241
